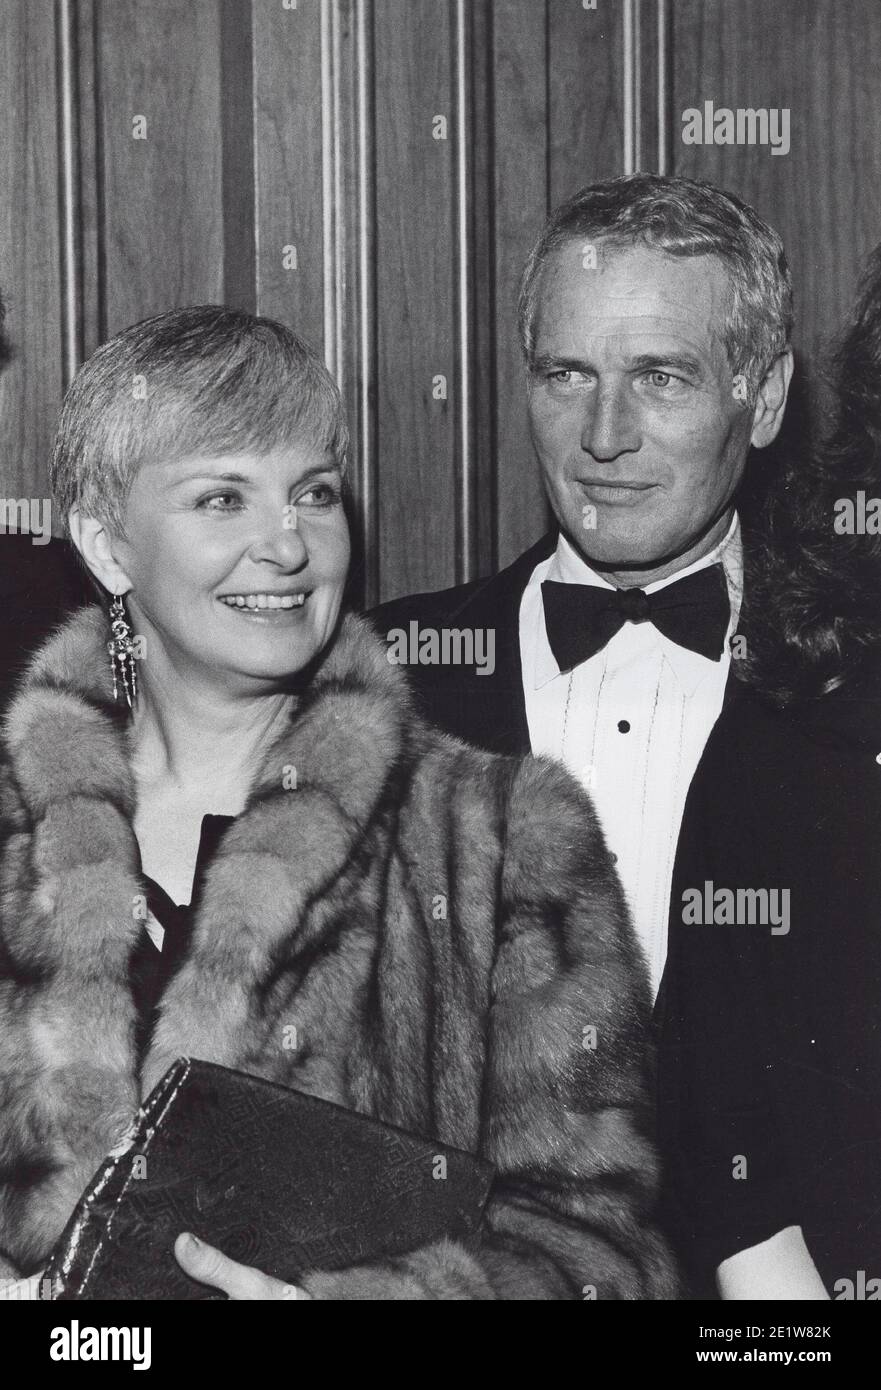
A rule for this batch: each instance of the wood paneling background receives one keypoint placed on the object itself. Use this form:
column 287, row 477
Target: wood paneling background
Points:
column 30, row 252
column 821, row 59
column 312, row 124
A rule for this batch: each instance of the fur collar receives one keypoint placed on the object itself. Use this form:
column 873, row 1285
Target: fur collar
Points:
column 68, row 753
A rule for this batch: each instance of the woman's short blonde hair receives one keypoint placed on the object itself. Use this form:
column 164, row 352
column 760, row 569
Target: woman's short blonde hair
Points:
column 202, row 380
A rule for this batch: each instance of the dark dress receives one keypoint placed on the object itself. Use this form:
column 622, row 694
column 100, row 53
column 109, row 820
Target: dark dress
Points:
column 151, row 969
column 770, row 1039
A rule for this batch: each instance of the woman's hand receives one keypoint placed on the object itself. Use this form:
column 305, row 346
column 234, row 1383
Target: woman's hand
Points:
column 239, row 1282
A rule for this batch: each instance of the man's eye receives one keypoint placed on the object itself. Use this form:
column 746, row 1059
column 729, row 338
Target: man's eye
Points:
column 566, row 376
column 662, row 379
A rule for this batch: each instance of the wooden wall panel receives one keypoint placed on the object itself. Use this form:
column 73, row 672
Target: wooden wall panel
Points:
column 86, row 290
column 289, row 152
column 483, row 263
column 822, row 60
column 237, row 154
column 414, row 281
column 355, row 227
column 586, row 129
column 30, row 388
column 163, row 216
column 520, row 203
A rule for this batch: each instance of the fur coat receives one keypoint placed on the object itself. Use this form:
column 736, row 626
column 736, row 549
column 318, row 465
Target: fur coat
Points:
column 443, row 927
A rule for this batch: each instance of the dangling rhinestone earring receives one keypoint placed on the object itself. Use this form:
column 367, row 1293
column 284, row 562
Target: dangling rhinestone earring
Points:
column 122, row 652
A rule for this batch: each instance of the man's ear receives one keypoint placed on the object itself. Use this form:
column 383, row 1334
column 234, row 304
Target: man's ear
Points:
column 94, row 543
column 771, row 400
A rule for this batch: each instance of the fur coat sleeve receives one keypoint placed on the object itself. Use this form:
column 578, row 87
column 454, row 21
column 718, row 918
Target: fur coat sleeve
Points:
column 567, row 1119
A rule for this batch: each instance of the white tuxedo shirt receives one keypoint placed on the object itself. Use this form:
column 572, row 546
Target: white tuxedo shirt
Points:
column 631, row 724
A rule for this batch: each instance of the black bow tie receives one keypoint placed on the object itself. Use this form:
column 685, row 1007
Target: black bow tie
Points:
column 693, row 612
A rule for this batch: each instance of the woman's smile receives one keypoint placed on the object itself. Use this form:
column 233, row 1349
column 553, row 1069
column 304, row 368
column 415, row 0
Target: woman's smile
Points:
column 265, row 606
column 266, row 599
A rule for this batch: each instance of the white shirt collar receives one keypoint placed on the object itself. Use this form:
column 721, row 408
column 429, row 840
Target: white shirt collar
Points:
column 567, row 567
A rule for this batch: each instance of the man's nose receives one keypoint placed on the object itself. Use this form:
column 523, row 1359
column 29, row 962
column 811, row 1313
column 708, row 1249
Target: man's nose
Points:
column 278, row 539
column 610, row 426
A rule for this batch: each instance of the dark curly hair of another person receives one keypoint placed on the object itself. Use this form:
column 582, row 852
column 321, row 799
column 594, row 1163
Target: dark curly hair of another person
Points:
column 812, row 614
column 5, row 345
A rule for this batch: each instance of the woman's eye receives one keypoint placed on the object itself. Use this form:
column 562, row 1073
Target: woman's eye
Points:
column 220, row 502
column 320, row 495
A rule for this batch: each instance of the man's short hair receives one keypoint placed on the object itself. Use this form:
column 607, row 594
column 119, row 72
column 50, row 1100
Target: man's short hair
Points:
column 682, row 217
column 203, row 380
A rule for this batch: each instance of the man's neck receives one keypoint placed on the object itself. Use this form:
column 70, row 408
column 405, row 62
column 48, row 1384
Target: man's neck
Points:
column 640, row 576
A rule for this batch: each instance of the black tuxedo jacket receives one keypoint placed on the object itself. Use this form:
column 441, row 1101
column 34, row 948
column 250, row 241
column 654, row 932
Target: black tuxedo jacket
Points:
column 486, row 710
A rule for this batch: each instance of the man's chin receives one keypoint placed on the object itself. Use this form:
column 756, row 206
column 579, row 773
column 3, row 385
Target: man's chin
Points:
column 615, row 555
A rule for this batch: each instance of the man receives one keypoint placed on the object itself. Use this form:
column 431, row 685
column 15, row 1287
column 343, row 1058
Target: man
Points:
column 655, row 317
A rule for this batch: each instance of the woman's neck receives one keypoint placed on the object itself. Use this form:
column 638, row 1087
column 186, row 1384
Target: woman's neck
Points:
column 202, row 742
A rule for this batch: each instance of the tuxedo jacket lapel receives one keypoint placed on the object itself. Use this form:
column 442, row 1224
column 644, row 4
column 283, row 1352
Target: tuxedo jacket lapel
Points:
column 485, row 708
column 734, row 687
column 493, row 708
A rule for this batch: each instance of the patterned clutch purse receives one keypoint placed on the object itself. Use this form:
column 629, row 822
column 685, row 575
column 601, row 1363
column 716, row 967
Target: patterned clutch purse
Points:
column 274, row 1178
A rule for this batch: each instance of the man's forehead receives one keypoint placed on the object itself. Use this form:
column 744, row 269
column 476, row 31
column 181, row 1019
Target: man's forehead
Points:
column 633, row 290
column 636, row 337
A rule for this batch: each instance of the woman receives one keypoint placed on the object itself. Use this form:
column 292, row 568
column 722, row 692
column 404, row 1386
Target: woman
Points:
column 441, row 931
column 771, row 1057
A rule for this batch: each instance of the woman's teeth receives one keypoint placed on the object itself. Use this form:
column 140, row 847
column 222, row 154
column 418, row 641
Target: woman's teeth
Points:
column 263, row 600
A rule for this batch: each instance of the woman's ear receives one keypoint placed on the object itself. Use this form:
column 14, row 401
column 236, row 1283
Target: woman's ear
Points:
column 94, row 543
